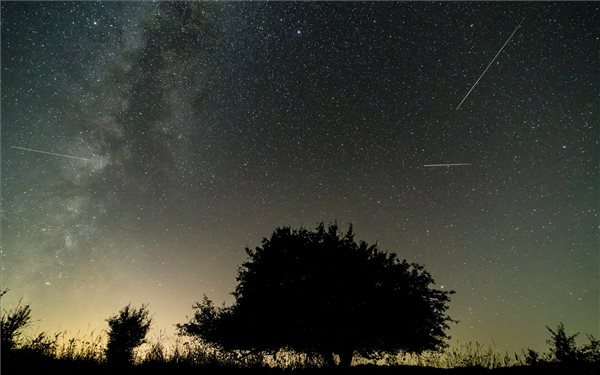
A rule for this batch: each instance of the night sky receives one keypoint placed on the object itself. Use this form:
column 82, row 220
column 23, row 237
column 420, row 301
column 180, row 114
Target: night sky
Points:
column 202, row 126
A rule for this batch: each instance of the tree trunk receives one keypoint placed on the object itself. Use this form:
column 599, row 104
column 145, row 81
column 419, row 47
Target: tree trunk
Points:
column 346, row 358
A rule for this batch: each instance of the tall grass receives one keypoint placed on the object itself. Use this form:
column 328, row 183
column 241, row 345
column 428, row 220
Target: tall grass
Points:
column 193, row 353
column 470, row 354
column 89, row 348
column 170, row 353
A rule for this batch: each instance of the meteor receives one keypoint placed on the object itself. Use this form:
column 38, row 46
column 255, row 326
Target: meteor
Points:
column 490, row 64
column 446, row 165
column 51, row 153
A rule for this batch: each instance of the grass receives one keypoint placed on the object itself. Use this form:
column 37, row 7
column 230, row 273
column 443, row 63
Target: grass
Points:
column 59, row 354
column 464, row 355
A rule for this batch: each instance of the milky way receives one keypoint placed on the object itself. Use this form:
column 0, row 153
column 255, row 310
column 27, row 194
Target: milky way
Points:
column 208, row 125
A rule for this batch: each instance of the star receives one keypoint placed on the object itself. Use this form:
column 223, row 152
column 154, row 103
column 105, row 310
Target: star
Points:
column 147, row 138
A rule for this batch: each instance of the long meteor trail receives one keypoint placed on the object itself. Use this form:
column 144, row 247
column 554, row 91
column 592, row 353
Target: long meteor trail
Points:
column 490, row 64
column 51, row 153
column 446, row 165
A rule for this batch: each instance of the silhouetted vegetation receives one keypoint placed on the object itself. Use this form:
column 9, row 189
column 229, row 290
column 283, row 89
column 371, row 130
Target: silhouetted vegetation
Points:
column 12, row 324
column 126, row 331
column 564, row 350
column 304, row 300
column 322, row 293
column 15, row 347
column 59, row 355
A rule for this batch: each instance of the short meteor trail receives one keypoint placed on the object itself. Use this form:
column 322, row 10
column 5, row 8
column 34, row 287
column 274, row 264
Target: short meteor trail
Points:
column 51, row 153
column 446, row 165
column 490, row 64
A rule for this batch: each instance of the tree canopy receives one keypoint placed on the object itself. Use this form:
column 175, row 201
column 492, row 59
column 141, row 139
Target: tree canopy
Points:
column 321, row 292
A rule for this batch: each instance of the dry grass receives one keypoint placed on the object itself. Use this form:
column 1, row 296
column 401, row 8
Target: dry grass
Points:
column 462, row 355
column 161, row 352
column 88, row 348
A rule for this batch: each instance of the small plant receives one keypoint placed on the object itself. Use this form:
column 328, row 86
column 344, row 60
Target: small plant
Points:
column 532, row 357
column 127, row 330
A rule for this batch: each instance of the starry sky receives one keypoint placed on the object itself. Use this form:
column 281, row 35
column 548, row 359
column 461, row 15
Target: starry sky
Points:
column 203, row 126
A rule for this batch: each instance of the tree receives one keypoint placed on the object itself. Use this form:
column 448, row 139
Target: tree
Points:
column 126, row 331
column 320, row 292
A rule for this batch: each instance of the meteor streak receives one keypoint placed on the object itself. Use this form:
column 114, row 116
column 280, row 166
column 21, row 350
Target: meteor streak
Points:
column 51, row 153
column 490, row 64
column 446, row 165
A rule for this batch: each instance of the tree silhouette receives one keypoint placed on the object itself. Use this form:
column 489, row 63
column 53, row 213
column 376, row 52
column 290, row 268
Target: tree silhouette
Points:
column 126, row 331
column 320, row 292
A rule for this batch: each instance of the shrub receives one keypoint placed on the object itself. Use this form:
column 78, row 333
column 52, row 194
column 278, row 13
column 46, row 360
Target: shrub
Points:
column 127, row 330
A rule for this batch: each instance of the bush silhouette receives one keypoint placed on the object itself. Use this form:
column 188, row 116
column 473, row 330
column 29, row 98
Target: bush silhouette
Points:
column 564, row 351
column 126, row 331
column 562, row 346
column 320, row 292
column 12, row 324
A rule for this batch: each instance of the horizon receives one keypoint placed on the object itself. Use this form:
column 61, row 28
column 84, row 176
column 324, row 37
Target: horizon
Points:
column 145, row 145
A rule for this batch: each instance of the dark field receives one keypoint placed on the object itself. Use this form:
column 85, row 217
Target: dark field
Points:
column 67, row 367
column 467, row 359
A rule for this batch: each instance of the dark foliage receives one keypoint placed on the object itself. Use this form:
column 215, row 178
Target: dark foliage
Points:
column 15, row 347
column 321, row 292
column 564, row 349
column 43, row 354
column 565, row 354
column 12, row 324
column 126, row 331
column 562, row 346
